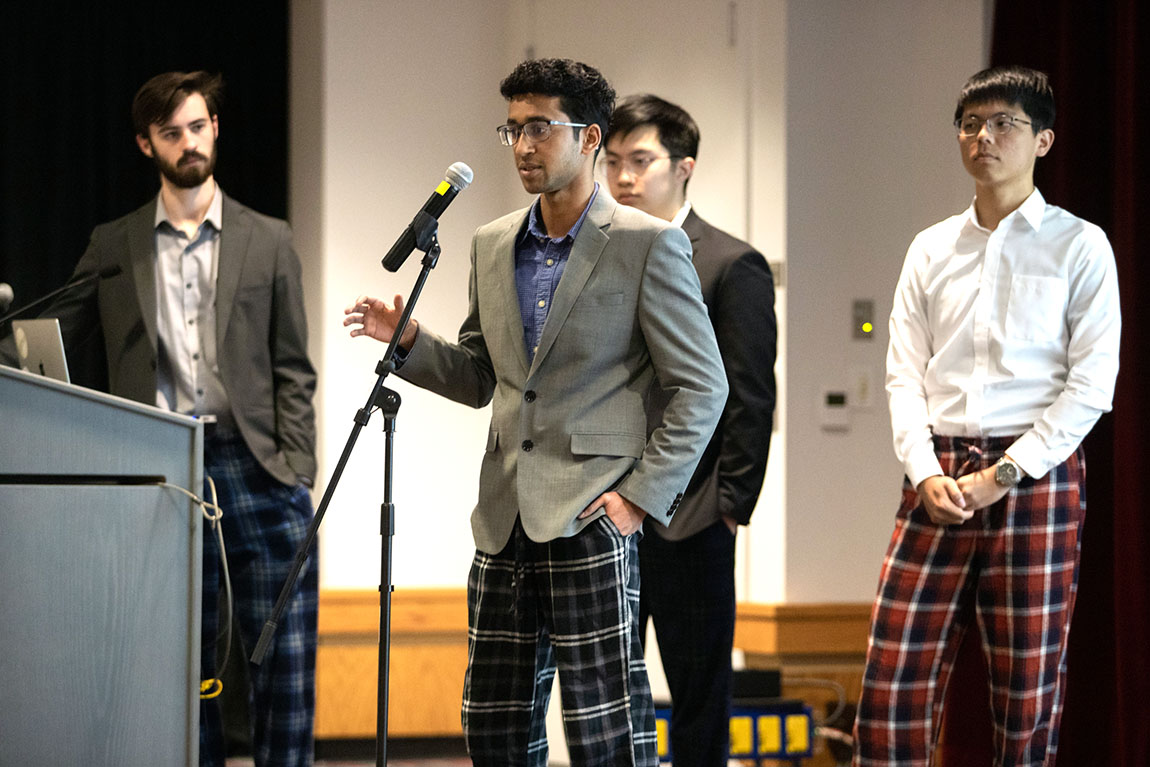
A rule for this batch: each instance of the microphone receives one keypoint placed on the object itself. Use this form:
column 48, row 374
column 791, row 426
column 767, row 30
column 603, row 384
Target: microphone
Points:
column 106, row 272
column 457, row 178
column 6, row 296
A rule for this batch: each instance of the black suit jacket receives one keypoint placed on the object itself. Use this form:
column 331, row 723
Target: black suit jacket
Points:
column 261, row 330
column 740, row 295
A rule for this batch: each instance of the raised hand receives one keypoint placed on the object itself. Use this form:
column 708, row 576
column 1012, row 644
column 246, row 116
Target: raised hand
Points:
column 373, row 317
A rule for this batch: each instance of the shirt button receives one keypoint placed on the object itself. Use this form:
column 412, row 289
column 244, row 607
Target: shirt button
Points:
column 191, row 322
column 195, row 356
column 529, row 395
column 528, row 446
column 542, row 303
column 551, row 262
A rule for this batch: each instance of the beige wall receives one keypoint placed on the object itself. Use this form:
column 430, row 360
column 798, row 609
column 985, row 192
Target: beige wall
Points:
column 826, row 142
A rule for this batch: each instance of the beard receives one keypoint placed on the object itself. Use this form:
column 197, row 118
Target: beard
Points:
column 184, row 174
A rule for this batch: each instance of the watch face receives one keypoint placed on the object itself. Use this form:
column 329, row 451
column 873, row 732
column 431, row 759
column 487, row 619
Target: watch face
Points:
column 1006, row 473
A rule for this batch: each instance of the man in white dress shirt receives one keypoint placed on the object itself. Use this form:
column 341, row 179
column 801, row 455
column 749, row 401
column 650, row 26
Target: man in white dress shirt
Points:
column 1003, row 354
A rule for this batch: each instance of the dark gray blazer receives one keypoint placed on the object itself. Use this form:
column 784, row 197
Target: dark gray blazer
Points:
column 740, row 296
column 261, row 330
column 572, row 424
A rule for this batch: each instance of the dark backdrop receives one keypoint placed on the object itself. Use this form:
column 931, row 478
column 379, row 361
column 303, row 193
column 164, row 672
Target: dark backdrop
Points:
column 68, row 158
column 1098, row 58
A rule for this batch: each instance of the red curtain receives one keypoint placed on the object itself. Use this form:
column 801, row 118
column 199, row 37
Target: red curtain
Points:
column 1098, row 57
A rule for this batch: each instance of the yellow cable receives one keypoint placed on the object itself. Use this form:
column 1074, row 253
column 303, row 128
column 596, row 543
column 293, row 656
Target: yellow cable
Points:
column 211, row 688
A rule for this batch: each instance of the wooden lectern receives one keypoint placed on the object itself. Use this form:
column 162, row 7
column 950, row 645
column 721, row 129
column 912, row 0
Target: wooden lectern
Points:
column 99, row 578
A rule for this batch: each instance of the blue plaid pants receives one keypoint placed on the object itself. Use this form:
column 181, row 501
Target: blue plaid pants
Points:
column 570, row 603
column 264, row 523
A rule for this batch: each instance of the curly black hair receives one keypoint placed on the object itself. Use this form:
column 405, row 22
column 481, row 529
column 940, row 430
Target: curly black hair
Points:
column 584, row 94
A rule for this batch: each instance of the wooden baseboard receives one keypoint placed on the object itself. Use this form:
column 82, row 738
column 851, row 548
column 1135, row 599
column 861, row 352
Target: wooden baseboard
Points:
column 425, row 674
column 429, row 656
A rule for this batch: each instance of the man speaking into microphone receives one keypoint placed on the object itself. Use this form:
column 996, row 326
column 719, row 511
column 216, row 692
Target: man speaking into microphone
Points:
column 576, row 304
column 199, row 304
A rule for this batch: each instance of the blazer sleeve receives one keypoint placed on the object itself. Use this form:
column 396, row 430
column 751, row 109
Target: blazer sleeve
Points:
column 293, row 376
column 743, row 313
column 460, row 371
column 681, row 343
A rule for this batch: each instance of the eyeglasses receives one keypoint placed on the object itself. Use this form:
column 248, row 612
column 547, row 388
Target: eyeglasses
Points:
column 535, row 131
column 996, row 125
column 637, row 164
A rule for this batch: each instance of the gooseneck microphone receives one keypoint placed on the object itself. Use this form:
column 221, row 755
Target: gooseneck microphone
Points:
column 106, row 272
column 456, row 179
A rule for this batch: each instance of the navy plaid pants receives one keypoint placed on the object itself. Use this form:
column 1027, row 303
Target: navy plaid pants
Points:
column 570, row 603
column 264, row 522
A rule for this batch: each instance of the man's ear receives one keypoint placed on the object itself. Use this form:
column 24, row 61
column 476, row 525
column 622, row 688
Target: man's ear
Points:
column 144, row 143
column 1045, row 141
column 592, row 137
column 684, row 167
column 216, row 126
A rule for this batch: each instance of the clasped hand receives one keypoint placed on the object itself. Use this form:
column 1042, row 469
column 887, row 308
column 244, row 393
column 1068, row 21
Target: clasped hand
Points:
column 953, row 501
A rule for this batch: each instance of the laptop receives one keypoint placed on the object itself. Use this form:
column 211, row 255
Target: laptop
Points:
column 41, row 347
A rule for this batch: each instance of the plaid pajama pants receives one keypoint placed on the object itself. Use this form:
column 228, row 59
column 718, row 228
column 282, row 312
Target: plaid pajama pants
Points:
column 264, row 523
column 569, row 603
column 1013, row 568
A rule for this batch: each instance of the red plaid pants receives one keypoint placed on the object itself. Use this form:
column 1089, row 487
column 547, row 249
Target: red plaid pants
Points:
column 1012, row 570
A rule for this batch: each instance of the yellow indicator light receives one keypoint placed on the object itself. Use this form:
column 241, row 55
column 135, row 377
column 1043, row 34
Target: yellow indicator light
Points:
column 867, row 327
column 741, row 738
column 770, row 734
column 798, row 729
column 442, row 188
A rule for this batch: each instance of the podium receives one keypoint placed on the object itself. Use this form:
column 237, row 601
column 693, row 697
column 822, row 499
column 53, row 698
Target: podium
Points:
column 99, row 578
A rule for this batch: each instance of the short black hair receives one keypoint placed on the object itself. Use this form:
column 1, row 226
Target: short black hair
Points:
column 584, row 94
column 158, row 98
column 1026, row 88
column 677, row 129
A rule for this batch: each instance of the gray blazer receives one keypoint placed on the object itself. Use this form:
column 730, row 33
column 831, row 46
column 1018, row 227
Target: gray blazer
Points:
column 572, row 424
column 261, row 330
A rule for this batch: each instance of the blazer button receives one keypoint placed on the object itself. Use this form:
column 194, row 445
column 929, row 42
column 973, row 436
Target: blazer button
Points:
column 529, row 395
column 528, row 445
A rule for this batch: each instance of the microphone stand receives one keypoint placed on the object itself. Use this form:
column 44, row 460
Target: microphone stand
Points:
column 388, row 402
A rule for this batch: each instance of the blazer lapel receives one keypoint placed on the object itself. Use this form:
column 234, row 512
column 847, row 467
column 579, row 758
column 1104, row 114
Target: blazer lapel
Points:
column 142, row 262
column 585, row 252
column 237, row 230
column 504, row 272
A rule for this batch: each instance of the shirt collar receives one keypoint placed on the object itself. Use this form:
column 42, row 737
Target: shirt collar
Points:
column 681, row 216
column 535, row 228
column 1033, row 209
column 214, row 216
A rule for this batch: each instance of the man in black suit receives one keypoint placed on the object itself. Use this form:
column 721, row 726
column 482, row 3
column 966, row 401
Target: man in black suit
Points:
column 687, row 568
column 206, row 317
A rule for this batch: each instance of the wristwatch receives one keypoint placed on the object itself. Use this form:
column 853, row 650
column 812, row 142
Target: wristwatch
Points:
column 1007, row 473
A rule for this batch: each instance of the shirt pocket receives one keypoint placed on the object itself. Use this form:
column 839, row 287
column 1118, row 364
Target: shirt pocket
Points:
column 1037, row 308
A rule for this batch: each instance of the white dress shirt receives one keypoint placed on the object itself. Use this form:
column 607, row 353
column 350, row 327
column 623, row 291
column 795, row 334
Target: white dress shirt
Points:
column 187, row 374
column 1010, row 332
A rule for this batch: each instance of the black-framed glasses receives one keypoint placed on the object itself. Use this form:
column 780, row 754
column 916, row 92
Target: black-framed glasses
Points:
column 636, row 163
column 535, row 131
column 996, row 125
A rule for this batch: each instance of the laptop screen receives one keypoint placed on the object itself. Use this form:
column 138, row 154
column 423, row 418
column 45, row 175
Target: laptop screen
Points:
column 41, row 347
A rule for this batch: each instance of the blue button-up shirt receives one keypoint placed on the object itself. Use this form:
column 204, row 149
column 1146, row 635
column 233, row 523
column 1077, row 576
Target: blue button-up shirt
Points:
column 539, row 264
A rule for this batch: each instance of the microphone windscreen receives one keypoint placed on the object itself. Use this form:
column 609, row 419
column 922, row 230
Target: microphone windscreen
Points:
column 459, row 175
